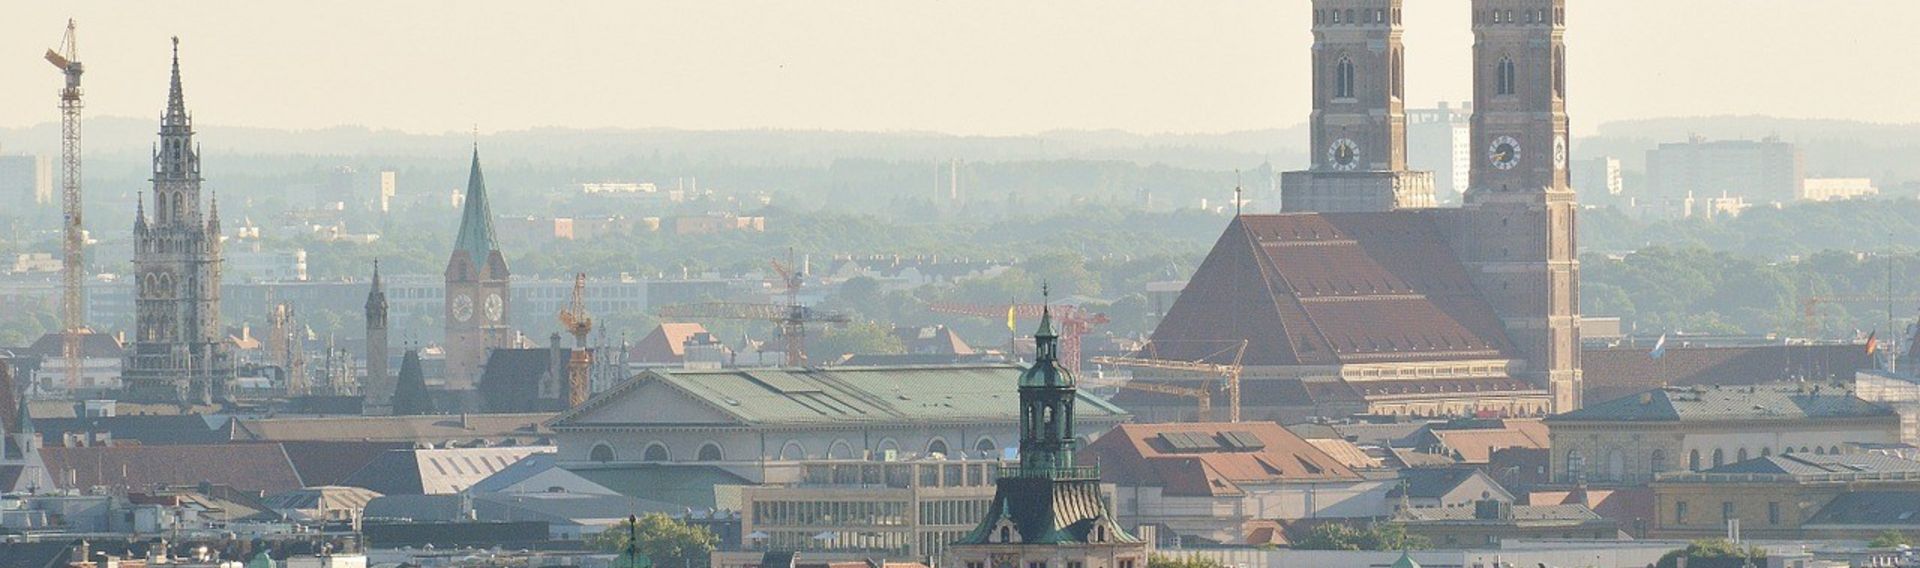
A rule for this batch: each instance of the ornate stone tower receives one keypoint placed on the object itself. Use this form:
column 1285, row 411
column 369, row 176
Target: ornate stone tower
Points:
column 378, row 389
column 1048, row 512
column 1517, row 231
column 477, row 302
column 1359, row 122
column 179, row 352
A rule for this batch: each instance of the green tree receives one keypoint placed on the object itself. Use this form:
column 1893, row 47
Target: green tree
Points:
column 1713, row 553
column 857, row 338
column 1889, row 539
column 668, row 542
column 1188, row 561
column 1373, row 536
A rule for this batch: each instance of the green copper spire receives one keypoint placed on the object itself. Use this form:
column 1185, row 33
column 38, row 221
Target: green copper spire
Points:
column 476, row 220
column 1047, row 398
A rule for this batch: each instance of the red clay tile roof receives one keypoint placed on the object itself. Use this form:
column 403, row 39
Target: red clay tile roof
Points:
column 1330, row 288
column 247, row 467
column 1212, row 461
column 667, row 343
column 1476, row 445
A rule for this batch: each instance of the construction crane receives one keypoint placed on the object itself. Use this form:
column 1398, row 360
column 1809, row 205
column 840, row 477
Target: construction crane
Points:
column 1229, row 373
column 579, row 323
column 72, row 306
column 1074, row 322
column 791, row 317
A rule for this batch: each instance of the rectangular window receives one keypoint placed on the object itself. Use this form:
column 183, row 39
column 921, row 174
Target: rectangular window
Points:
column 976, row 564
column 1126, row 563
column 1680, row 512
column 1773, row 512
column 1075, row 564
column 1036, row 565
column 1726, row 510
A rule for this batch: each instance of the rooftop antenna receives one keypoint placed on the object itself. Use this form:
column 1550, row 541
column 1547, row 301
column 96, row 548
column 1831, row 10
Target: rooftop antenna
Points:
column 1236, row 193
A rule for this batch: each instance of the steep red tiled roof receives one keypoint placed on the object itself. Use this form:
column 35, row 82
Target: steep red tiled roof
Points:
column 1330, row 288
column 1142, row 454
column 248, row 467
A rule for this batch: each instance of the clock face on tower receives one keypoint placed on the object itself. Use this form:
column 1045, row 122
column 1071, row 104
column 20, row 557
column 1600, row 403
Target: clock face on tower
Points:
column 1560, row 151
column 462, row 307
column 494, row 307
column 1504, row 153
column 1344, row 155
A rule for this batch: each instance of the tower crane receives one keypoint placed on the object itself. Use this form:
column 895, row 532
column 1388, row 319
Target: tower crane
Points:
column 1074, row 322
column 792, row 317
column 72, row 307
column 1229, row 373
column 579, row 323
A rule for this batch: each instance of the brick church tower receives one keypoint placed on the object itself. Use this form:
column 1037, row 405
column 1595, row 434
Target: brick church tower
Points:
column 1516, row 230
column 1359, row 121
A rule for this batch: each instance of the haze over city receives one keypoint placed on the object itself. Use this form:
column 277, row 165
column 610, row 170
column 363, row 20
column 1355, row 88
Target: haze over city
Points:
column 991, row 67
column 960, row 284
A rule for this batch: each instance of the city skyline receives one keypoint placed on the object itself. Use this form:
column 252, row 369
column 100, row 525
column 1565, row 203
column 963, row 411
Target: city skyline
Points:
column 975, row 69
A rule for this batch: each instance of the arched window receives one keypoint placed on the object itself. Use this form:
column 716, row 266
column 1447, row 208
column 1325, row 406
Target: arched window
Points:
column 656, row 452
column 1576, row 464
column 1742, row 454
column 1719, row 457
column 1343, row 79
column 1616, row 465
column 601, row 453
column 937, row 446
column 710, row 452
column 1693, row 461
column 1835, row 450
column 1766, row 452
column 1658, row 462
column 1560, row 72
column 793, row 451
column 1819, row 451
column 987, row 447
column 1399, row 74
column 840, row 450
column 1505, row 76
column 888, row 445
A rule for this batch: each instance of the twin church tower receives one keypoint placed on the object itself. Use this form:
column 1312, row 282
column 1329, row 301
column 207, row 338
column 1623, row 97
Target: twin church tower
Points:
column 1515, row 230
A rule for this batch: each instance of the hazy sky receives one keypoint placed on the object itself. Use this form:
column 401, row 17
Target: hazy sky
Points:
column 972, row 66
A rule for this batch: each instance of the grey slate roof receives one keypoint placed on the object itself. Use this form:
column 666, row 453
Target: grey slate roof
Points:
column 1803, row 463
column 565, row 508
column 1522, row 514
column 1436, row 482
column 1701, row 404
column 1870, row 508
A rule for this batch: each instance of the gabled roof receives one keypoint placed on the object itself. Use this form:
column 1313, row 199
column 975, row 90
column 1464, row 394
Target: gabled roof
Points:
column 249, row 467
column 1350, row 455
column 667, row 343
column 1198, row 459
column 1700, row 404
column 1437, row 482
column 51, row 346
column 437, row 471
column 838, row 395
column 1621, row 371
column 506, row 480
column 1333, row 288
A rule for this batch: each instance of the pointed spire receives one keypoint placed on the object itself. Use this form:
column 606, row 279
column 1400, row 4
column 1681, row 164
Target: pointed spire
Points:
column 176, row 102
column 139, row 212
column 213, row 215
column 476, row 235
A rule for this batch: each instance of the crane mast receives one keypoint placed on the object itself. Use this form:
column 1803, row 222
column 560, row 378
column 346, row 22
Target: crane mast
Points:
column 579, row 323
column 72, row 300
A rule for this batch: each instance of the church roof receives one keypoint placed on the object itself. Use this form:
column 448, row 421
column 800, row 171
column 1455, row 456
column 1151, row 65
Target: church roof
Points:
column 1333, row 288
column 476, row 237
column 1048, row 511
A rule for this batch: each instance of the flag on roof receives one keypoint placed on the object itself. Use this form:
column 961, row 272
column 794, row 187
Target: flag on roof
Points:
column 1659, row 347
column 1873, row 342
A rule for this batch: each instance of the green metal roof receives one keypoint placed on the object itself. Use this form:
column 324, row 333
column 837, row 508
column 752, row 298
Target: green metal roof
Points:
column 840, row 395
column 476, row 236
column 1691, row 404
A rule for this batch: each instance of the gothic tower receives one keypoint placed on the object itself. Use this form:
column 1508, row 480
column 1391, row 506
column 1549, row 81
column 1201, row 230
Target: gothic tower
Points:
column 179, row 352
column 1518, row 223
column 1048, row 512
column 1359, row 121
column 378, row 389
column 477, row 301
